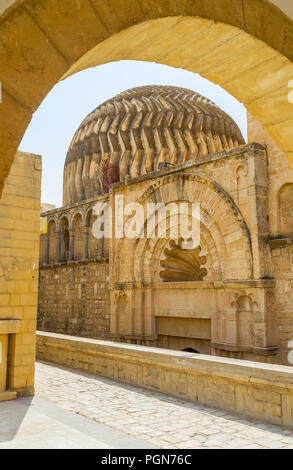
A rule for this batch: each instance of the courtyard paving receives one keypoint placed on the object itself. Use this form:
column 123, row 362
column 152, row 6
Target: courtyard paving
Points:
column 76, row 410
column 151, row 417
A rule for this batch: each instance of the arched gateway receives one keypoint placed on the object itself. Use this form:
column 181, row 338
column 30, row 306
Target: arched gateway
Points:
column 243, row 45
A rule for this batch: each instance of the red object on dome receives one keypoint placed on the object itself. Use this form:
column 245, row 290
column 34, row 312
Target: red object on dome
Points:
column 109, row 174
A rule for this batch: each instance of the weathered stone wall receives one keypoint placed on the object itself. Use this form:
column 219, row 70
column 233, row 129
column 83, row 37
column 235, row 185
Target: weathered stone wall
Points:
column 282, row 255
column 280, row 181
column 73, row 282
column 259, row 390
column 19, row 249
column 280, row 199
column 74, row 298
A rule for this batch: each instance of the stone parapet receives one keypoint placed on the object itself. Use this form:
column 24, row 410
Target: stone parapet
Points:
column 253, row 389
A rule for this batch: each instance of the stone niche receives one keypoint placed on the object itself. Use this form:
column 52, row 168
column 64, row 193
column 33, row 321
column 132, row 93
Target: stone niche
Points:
column 215, row 299
column 8, row 328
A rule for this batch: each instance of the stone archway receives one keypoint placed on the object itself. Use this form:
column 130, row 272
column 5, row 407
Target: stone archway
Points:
column 51, row 241
column 246, row 48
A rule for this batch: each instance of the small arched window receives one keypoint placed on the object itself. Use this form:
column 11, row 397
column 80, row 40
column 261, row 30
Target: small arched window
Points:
column 191, row 350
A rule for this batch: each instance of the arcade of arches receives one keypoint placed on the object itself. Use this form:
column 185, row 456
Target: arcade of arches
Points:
column 246, row 48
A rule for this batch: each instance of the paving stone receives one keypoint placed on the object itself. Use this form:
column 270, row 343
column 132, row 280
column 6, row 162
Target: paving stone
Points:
column 269, row 444
column 164, row 421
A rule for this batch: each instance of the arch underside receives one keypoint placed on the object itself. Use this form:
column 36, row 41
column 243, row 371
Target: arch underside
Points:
column 246, row 48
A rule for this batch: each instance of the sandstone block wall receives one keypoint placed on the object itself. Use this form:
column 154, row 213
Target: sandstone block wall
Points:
column 282, row 255
column 281, row 233
column 74, row 298
column 280, row 181
column 19, row 251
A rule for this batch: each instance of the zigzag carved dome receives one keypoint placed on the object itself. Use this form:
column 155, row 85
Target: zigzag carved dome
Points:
column 132, row 133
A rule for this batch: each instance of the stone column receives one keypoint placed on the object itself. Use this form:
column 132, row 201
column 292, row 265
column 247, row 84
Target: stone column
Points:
column 85, row 239
column 58, row 245
column 46, row 248
column 101, row 250
column 71, row 244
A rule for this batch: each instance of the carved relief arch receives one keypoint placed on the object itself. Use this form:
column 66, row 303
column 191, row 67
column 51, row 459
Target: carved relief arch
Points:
column 74, row 214
column 52, row 219
column 62, row 219
column 225, row 236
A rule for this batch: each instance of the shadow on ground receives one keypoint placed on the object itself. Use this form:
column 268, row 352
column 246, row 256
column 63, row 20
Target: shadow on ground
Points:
column 12, row 414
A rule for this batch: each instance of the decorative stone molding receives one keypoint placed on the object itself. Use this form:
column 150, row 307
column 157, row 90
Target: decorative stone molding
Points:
column 182, row 265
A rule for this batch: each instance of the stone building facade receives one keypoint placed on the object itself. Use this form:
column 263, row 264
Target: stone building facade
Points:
column 231, row 296
column 74, row 275
column 19, row 248
column 280, row 203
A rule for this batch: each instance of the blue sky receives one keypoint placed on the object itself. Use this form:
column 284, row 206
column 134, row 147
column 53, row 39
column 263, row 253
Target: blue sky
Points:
column 61, row 112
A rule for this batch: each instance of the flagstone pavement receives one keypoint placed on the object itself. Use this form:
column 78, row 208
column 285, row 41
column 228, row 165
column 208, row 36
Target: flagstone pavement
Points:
column 87, row 411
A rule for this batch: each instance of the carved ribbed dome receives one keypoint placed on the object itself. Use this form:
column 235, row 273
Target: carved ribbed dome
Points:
column 132, row 133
